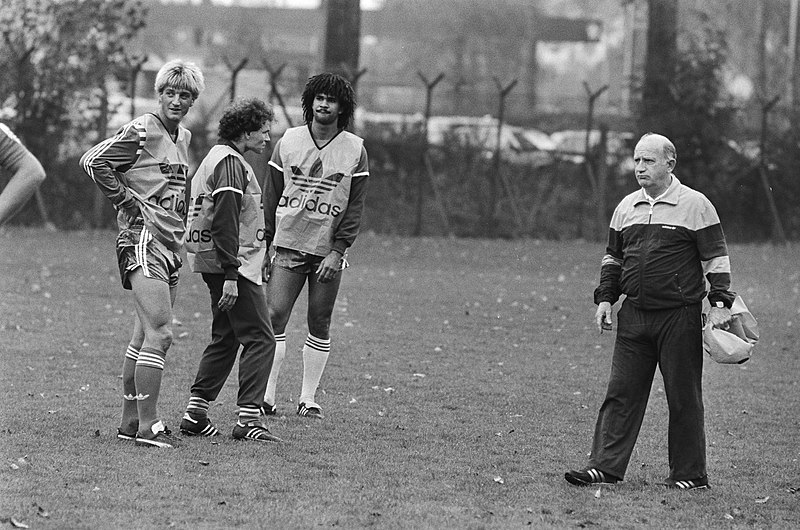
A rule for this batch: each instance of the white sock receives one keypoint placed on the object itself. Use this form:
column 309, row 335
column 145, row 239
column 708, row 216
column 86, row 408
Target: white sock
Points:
column 277, row 361
column 315, row 356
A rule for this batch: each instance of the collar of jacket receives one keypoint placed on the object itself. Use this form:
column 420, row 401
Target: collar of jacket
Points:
column 670, row 196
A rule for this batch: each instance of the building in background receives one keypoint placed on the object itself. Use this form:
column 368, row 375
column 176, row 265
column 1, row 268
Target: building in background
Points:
column 475, row 54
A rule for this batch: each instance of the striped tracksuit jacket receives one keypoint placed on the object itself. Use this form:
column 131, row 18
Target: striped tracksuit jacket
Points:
column 659, row 255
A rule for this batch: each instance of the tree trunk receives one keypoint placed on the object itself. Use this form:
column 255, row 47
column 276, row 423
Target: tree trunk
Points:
column 658, row 109
column 342, row 37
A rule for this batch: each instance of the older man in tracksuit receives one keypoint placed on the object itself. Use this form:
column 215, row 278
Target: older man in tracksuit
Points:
column 663, row 240
column 226, row 243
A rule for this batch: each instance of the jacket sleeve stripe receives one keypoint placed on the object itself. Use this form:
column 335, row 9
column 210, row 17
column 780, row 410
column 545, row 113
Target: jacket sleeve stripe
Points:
column 721, row 264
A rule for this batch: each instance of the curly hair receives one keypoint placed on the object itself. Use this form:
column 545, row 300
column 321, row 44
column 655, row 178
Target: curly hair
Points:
column 332, row 85
column 243, row 116
column 181, row 75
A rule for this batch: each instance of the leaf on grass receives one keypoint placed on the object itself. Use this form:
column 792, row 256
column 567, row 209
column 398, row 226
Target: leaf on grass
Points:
column 41, row 512
column 499, row 480
column 97, row 432
column 183, row 335
column 762, row 500
column 202, row 462
column 597, row 493
column 728, row 516
column 419, row 375
column 388, row 390
column 18, row 524
column 353, row 400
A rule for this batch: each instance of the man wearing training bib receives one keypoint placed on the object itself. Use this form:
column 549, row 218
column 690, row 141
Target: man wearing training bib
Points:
column 313, row 201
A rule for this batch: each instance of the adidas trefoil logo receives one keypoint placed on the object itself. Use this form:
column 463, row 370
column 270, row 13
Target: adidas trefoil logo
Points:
column 315, row 182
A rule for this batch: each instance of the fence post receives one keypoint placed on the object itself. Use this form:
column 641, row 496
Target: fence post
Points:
column 429, row 86
column 597, row 182
column 273, row 84
column 234, row 73
column 503, row 90
column 777, row 226
column 136, row 64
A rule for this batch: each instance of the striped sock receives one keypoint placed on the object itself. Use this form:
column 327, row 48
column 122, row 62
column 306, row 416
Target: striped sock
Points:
column 277, row 361
column 130, row 411
column 315, row 356
column 198, row 407
column 149, row 369
column 248, row 414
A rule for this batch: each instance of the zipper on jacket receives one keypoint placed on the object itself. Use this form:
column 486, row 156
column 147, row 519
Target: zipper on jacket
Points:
column 645, row 251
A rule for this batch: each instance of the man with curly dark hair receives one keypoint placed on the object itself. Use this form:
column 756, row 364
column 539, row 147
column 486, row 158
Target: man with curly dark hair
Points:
column 313, row 200
column 226, row 243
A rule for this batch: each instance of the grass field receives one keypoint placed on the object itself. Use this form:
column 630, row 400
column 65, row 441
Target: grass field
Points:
column 464, row 380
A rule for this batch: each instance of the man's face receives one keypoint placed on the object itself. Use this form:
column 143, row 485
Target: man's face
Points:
column 175, row 103
column 652, row 167
column 326, row 109
column 257, row 140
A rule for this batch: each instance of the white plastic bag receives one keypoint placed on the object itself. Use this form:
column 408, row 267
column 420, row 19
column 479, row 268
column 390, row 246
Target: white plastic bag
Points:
column 735, row 344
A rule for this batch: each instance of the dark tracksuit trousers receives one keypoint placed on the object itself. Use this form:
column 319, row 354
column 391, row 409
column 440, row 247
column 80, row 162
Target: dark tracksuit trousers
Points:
column 247, row 324
column 671, row 339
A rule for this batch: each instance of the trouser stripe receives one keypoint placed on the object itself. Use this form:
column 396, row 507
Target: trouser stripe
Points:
column 141, row 251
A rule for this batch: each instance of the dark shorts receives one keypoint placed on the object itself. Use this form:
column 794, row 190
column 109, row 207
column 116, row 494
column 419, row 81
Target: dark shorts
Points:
column 300, row 262
column 137, row 248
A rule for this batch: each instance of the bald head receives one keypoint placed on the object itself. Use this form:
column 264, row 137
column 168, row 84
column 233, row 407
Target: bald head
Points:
column 658, row 141
column 654, row 158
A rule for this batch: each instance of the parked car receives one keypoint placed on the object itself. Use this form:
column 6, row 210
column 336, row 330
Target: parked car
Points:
column 518, row 145
column 571, row 146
